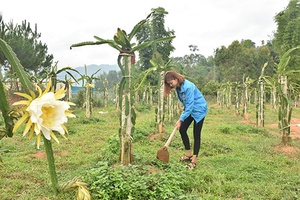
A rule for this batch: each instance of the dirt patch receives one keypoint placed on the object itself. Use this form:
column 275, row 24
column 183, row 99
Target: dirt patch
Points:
column 156, row 136
column 42, row 154
column 288, row 150
column 39, row 154
column 244, row 121
column 64, row 153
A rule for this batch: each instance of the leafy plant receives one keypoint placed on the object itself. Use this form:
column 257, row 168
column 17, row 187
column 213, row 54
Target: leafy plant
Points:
column 122, row 42
column 136, row 182
column 225, row 129
column 285, row 109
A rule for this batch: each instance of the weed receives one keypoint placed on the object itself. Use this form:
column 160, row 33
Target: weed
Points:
column 225, row 129
column 135, row 182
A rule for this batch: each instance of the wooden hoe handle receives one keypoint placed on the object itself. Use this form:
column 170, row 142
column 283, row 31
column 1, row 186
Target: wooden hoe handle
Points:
column 170, row 137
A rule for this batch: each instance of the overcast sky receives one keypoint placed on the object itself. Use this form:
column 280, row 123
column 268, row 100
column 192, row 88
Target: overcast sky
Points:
column 209, row 24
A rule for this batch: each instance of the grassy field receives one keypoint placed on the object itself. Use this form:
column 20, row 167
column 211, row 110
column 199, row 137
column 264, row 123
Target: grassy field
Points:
column 236, row 161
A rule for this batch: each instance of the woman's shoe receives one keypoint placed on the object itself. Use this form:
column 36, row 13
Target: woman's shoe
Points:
column 185, row 158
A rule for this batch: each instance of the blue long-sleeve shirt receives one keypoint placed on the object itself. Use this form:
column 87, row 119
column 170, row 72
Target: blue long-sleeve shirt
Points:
column 193, row 101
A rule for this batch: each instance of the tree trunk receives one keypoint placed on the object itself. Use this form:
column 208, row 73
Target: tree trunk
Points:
column 160, row 104
column 105, row 83
column 285, row 112
column 116, row 90
column 246, row 114
column 260, row 114
column 237, row 102
column 274, row 98
column 229, row 103
column 127, row 113
column 150, row 96
column 88, row 105
column 170, row 107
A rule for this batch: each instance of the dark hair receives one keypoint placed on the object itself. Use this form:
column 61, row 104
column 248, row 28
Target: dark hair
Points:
column 172, row 75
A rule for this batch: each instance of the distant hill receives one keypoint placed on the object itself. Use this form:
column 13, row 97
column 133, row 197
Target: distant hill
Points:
column 91, row 69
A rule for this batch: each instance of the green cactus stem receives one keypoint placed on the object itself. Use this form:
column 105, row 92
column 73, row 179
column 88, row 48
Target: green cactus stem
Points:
column 50, row 159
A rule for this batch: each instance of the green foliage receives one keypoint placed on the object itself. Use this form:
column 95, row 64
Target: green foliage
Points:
column 288, row 30
column 287, row 35
column 225, row 129
column 143, row 107
column 241, row 58
column 249, row 129
column 240, row 129
column 79, row 98
column 25, row 43
column 151, row 31
column 285, row 109
column 113, row 77
column 211, row 88
column 141, row 133
column 122, row 42
column 90, row 120
column 111, row 152
column 213, row 149
column 1, row 121
column 136, row 182
column 22, row 76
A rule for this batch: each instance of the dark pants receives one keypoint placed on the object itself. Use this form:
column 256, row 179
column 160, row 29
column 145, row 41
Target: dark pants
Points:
column 197, row 134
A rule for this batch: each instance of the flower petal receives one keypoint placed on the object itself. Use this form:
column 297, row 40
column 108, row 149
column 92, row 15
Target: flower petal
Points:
column 31, row 132
column 28, row 126
column 24, row 95
column 39, row 90
column 54, row 137
column 46, row 133
column 22, row 102
column 32, row 94
column 68, row 113
column 21, row 120
column 65, row 128
column 38, row 141
column 60, row 93
column 71, row 103
column 47, row 87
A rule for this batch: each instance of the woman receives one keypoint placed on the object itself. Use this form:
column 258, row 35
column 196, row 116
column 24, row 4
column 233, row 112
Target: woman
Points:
column 195, row 109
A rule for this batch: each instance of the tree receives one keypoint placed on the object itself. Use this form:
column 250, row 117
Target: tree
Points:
column 24, row 41
column 113, row 77
column 287, row 35
column 265, row 55
column 211, row 88
column 161, row 67
column 196, row 66
column 285, row 108
column 220, row 60
column 88, row 90
column 126, row 59
column 242, row 58
column 260, row 104
column 158, row 65
column 153, row 30
column 288, row 28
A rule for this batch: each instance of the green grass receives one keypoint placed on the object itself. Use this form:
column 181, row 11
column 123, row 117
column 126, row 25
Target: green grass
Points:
column 236, row 161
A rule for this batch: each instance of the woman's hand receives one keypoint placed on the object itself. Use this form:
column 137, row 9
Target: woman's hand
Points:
column 178, row 124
